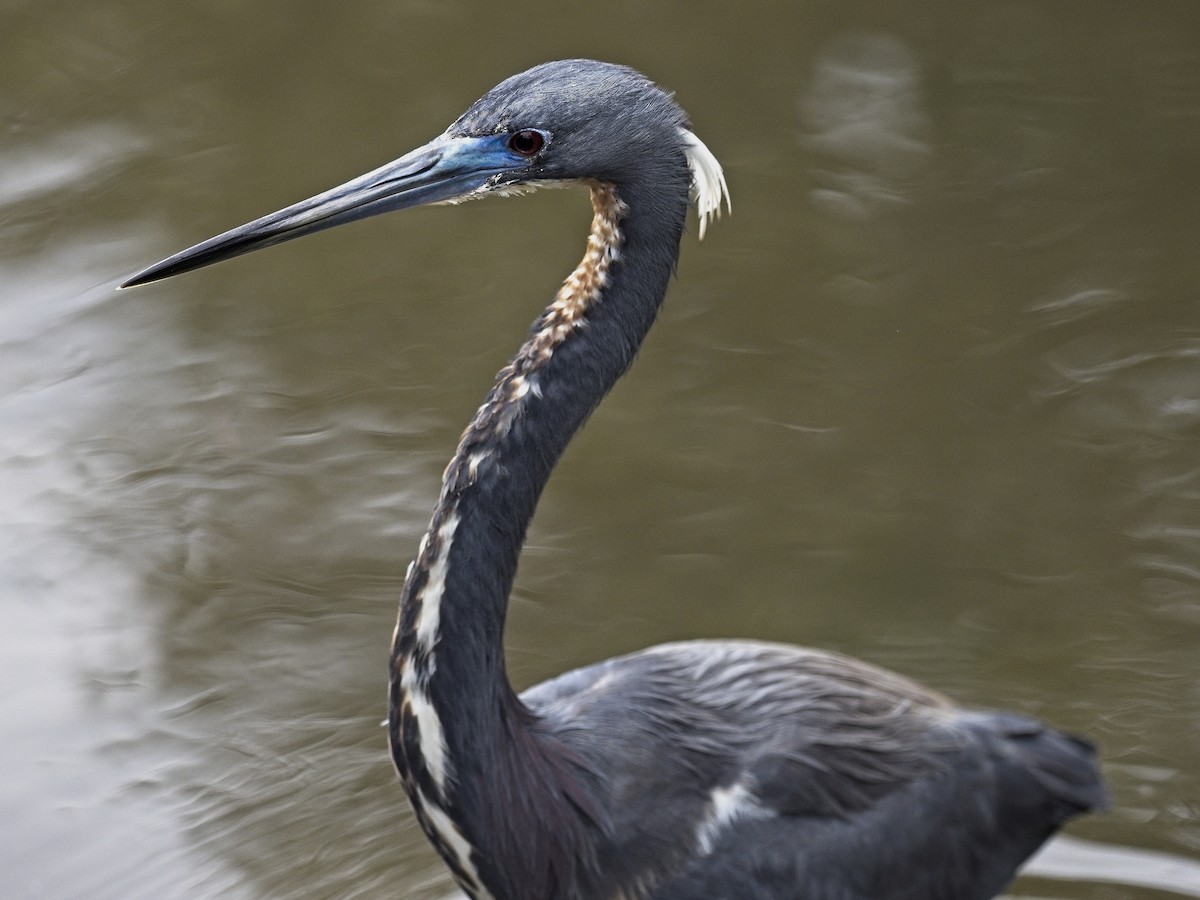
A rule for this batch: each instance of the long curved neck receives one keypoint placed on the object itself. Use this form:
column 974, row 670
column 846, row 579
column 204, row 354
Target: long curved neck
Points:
column 458, row 733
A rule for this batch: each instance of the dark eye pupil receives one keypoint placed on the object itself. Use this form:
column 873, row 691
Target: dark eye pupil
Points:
column 526, row 143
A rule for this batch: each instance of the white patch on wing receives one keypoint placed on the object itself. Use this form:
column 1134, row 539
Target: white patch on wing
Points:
column 726, row 806
column 708, row 179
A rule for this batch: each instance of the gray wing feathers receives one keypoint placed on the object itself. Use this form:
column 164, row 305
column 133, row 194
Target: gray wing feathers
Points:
column 806, row 732
column 780, row 772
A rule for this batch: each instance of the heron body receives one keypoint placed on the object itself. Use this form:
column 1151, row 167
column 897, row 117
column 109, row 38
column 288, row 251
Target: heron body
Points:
column 702, row 769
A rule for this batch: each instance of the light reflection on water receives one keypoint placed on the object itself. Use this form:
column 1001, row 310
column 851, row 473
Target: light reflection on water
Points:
column 953, row 407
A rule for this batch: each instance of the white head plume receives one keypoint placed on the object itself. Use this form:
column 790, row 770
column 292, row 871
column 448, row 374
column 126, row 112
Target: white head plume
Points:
column 708, row 180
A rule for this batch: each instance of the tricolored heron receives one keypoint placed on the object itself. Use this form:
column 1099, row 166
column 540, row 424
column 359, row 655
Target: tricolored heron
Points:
column 701, row 769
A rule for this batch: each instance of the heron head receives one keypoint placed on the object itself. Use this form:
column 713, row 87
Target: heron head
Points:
column 596, row 121
column 560, row 122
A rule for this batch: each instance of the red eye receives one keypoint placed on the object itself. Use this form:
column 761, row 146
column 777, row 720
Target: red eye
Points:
column 526, row 143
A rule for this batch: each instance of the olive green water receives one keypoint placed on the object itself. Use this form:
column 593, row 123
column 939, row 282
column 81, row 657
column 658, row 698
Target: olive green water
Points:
column 930, row 397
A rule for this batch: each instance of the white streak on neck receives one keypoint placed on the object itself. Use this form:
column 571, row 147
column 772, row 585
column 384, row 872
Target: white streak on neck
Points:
column 432, row 738
column 429, row 619
column 453, row 842
column 429, row 725
column 708, row 179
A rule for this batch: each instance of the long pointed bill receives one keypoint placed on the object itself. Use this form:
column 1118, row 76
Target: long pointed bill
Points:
column 446, row 168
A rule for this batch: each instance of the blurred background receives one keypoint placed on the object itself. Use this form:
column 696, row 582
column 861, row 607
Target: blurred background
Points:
column 930, row 397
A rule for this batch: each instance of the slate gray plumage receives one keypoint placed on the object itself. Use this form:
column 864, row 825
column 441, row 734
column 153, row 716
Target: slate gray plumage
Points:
column 706, row 769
